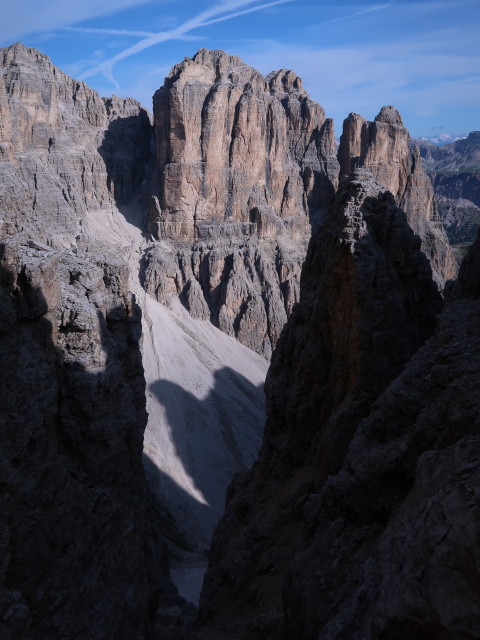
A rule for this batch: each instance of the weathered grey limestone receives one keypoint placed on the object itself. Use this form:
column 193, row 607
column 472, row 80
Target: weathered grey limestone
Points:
column 57, row 145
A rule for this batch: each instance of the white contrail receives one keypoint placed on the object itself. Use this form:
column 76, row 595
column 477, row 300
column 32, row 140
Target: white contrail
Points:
column 124, row 32
column 114, row 32
column 375, row 7
column 202, row 19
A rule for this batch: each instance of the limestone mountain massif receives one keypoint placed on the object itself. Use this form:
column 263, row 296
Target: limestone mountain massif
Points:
column 150, row 266
column 245, row 164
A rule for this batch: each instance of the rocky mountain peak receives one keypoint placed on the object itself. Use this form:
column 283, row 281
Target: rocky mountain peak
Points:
column 285, row 81
column 474, row 136
column 383, row 147
column 245, row 165
column 389, row 115
column 18, row 53
column 215, row 66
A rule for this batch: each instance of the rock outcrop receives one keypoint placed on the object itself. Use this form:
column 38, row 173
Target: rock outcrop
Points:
column 383, row 147
column 458, row 203
column 359, row 518
column 245, row 165
column 461, row 156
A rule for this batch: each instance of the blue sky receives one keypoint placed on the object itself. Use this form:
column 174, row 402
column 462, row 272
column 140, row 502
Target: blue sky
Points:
column 423, row 56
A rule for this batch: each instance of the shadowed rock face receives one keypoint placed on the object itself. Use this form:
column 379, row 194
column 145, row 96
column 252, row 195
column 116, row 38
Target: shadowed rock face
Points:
column 81, row 544
column 358, row 520
column 383, row 147
column 245, row 164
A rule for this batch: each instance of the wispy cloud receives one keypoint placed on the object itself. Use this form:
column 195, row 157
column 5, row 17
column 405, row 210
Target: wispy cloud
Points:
column 23, row 17
column 125, row 32
column 374, row 7
column 418, row 76
column 225, row 10
column 116, row 32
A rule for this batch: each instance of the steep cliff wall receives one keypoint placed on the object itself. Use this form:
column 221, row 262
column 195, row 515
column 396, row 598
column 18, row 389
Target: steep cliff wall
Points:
column 383, row 147
column 359, row 518
column 245, row 164
column 58, row 163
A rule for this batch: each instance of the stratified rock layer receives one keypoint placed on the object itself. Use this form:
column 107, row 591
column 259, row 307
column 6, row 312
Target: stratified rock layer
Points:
column 383, row 147
column 359, row 519
column 245, row 164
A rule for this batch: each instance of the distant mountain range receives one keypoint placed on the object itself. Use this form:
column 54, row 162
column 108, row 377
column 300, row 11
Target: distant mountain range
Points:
column 455, row 172
column 457, row 157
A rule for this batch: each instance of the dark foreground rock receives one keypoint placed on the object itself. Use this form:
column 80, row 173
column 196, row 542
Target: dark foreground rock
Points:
column 81, row 548
column 360, row 518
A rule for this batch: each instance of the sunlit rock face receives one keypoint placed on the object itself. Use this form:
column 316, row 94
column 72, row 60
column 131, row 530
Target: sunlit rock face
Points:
column 358, row 519
column 58, row 161
column 236, row 147
column 384, row 148
column 245, row 165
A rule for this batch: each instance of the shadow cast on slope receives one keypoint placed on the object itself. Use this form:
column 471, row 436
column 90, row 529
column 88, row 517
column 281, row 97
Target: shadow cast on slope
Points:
column 214, row 437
